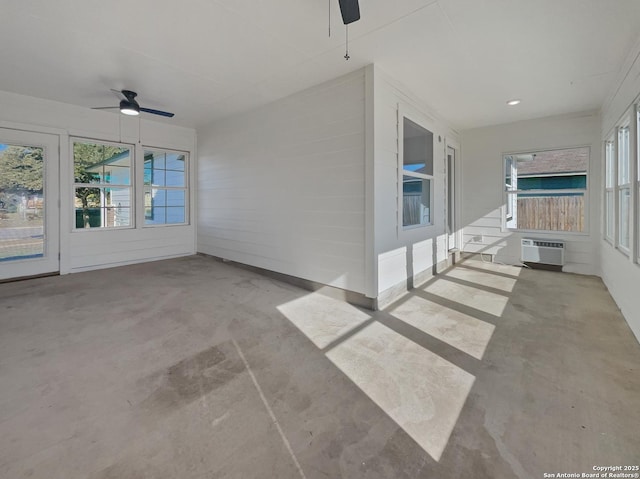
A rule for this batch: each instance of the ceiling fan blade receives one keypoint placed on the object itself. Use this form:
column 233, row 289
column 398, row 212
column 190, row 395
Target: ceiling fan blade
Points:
column 118, row 93
column 104, row 107
column 157, row 112
column 350, row 11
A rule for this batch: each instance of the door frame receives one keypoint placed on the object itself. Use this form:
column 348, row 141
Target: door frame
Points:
column 50, row 262
column 454, row 237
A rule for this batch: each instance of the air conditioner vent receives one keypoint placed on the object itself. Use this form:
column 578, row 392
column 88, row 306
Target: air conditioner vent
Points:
column 543, row 251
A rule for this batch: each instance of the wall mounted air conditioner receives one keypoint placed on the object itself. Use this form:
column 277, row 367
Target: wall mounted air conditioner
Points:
column 543, row 251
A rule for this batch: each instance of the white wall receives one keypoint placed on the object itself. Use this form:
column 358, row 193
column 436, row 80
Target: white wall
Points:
column 619, row 272
column 283, row 187
column 401, row 253
column 483, row 186
column 83, row 250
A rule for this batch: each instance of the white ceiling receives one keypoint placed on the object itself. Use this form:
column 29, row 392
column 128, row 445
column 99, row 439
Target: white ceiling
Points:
column 206, row 59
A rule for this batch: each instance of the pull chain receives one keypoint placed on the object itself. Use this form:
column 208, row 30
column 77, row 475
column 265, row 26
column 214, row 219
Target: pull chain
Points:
column 346, row 55
column 330, row 18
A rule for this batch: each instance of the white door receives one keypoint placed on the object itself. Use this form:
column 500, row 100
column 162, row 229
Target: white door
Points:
column 29, row 212
column 451, row 199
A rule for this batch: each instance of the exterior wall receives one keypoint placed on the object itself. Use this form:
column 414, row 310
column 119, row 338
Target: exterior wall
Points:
column 401, row 254
column 620, row 273
column 84, row 250
column 483, row 186
column 283, row 187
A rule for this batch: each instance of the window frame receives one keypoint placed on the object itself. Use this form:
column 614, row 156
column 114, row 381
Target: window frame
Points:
column 131, row 186
column 186, row 188
column 610, row 168
column 635, row 175
column 427, row 125
column 506, row 194
column 620, row 186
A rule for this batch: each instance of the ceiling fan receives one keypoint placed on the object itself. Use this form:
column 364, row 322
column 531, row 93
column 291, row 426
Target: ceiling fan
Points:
column 129, row 105
column 350, row 11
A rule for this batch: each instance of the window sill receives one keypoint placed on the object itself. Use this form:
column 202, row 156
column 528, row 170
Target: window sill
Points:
column 167, row 225
column 416, row 227
column 97, row 228
column 547, row 232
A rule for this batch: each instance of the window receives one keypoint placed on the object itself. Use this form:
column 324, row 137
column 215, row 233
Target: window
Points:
column 102, row 185
column 165, row 187
column 624, row 188
column 638, row 181
column 609, row 195
column 417, row 174
column 545, row 190
column 510, row 184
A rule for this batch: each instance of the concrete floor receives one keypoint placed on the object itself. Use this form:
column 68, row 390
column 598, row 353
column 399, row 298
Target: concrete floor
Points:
column 192, row 368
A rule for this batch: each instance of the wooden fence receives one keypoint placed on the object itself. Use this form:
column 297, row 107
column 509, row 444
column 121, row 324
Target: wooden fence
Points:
column 558, row 213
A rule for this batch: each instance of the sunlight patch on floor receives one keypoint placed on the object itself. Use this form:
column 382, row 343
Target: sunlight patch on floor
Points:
column 423, row 393
column 482, row 279
column 477, row 298
column 463, row 332
column 490, row 267
column 321, row 318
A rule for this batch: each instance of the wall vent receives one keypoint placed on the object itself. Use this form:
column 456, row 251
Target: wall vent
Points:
column 543, row 251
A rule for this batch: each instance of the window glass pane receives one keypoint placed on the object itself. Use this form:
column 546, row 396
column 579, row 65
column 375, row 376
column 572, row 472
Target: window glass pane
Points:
column 159, row 197
column 623, row 156
column 609, row 213
column 158, row 216
column 556, row 169
column 175, row 215
column 510, row 175
column 175, row 161
column 148, row 174
column 154, row 159
column 417, row 148
column 556, row 181
column 157, row 177
column 97, row 163
column 416, row 198
column 625, row 208
column 116, row 175
column 609, row 159
column 22, row 202
column 175, row 198
column 174, row 178
column 547, row 211
column 102, row 207
column 165, row 204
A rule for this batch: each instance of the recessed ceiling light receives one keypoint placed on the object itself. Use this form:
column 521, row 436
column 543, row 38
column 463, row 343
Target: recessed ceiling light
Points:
column 513, row 102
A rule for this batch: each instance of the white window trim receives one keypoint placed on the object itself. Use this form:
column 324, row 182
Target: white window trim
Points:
column 585, row 191
column 131, row 186
column 634, row 153
column 610, row 189
column 618, row 187
column 186, row 188
column 427, row 125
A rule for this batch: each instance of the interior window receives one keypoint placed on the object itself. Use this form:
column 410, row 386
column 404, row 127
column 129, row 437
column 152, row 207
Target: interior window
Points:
column 417, row 174
column 102, row 185
column 545, row 190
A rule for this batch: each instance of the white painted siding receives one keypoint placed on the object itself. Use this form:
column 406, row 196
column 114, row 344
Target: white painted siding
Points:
column 483, row 186
column 283, row 187
column 399, row 253
column 619, row 272
column 84, row 250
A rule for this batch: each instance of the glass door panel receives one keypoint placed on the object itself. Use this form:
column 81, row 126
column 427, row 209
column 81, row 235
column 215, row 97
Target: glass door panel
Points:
column 28, row 204
column 451, row 198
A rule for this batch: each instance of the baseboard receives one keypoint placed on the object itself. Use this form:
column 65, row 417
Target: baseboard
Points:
column 357, row 299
